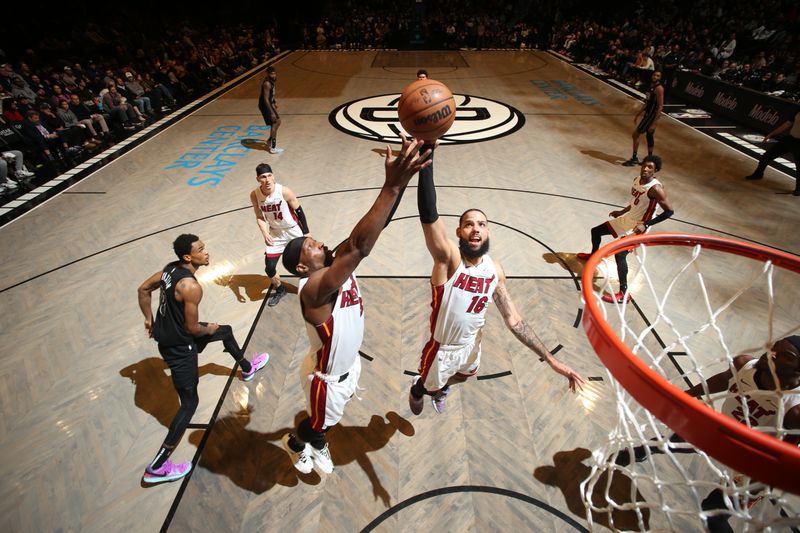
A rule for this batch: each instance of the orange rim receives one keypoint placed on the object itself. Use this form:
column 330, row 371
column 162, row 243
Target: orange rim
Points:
column 749, row 451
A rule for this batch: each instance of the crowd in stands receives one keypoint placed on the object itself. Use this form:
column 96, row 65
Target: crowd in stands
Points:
column 750, row 44
column 79, row 93
column 446, row 24
column 57, row 112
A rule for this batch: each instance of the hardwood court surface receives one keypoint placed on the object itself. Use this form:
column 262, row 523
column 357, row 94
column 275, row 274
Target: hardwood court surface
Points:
column 86, row 398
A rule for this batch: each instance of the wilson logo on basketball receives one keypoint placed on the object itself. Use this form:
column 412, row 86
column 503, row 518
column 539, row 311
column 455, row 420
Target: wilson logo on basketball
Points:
column 476, row 119
column 435, row 116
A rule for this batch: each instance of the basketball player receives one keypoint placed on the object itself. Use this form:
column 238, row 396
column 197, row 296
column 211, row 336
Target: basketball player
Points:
column 762, row 385
column 650, row 113
column 331, row 304
column 422, row 74
column 180, row 338
column 635, row 218
column 788, row 143
column 280, row 219
column 269, row 109
column 464, row 282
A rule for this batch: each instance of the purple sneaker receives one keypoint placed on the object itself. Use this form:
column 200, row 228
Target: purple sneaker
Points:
column 438, row 400
column 256, row 364
column 169, row 471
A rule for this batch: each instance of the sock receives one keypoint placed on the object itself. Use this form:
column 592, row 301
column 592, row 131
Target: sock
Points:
column 634, row 156
column 245, row 364
column 161, row 457
column 295, row 445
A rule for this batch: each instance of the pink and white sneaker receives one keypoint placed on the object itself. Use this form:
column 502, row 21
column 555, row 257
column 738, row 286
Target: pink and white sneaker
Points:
column 256, row 364
column 169, row 471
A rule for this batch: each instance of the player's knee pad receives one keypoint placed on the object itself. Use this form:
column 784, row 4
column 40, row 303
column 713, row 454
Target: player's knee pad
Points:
column 271, row 266
column 651, row 139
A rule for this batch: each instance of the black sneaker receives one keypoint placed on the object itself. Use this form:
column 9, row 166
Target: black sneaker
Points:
column 632, row 162
column 796, row 192
column 277, row 295
column 752, row 177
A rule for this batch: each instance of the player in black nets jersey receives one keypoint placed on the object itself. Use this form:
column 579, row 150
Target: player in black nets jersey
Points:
column 180, row 338
column 269, row 109
column 650, row 113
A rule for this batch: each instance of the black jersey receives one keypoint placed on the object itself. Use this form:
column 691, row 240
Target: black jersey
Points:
column 168, row 328
column 270, row 96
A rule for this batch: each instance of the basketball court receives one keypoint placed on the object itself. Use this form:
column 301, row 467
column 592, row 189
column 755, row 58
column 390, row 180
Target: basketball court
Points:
column 537, row 144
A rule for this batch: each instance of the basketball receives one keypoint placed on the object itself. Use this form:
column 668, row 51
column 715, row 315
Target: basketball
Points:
column 426, row 109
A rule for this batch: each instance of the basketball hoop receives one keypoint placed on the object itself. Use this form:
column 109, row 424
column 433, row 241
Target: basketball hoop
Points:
column 656, row 385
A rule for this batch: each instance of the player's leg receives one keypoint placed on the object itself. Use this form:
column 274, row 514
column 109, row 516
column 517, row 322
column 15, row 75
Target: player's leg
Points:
column 462, row 364
column 779, row 148
column 271, row 268
column 634, row 160
column 429, row 376
column 224, row 333
column 183, row 366
column 597, row 233
column 621, row 259
column 273, row 137
column 651, row 139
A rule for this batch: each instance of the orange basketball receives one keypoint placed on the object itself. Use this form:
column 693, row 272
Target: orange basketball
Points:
column 426, row 109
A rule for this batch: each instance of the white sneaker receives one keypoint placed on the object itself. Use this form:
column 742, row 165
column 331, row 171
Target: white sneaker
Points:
column 25, row 174
column 300, row 460
column 322, row 459
column 276, row 150
column 11, row 185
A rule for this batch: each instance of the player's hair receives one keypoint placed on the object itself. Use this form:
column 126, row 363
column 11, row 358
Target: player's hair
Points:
column 422, row 71
column 794, row 340
column 183, row 244
column 270, row 69
column 291, row 254
column 655, row 159
column 461, row 218
column 263, row 168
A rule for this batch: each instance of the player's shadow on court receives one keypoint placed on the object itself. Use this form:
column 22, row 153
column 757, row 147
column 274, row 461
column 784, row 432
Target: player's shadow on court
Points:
column 155, row 393
column 254, row 286
column 255, row 144
column 567, row 474
column 566, row 260
column 256, row 461
column 602, row 156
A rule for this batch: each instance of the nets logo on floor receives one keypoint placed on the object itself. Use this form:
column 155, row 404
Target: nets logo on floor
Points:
column 477, row 119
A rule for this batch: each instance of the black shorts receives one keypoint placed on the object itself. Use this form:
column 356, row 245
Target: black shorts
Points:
column 182, row 362
column 645, row 124
column 267, row 118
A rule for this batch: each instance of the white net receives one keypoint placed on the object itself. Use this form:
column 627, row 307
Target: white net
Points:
column 694, row 311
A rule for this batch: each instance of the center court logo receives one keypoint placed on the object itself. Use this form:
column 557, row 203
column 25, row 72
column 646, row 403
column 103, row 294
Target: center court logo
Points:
column 477, row 119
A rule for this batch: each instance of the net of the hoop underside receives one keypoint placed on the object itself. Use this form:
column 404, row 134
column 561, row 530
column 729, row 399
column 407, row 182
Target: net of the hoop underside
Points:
column 695, row 310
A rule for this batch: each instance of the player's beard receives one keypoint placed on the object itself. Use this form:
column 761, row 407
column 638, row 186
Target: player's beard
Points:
column 469, row 252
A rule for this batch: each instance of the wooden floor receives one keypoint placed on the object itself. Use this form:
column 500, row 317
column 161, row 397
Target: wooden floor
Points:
column 86, row 398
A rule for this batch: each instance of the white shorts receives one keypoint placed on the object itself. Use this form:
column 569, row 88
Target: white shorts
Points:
column 326, row 398
column 280, row 238
column 451, row 360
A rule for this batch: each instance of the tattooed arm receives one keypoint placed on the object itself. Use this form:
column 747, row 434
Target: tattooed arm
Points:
column 525, row 333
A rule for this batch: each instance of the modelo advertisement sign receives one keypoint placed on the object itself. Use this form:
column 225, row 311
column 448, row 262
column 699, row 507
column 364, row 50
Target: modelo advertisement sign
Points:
column 746, row 107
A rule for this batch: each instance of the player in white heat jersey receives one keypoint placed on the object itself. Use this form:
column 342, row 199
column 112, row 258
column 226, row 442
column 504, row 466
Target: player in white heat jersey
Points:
column 280, row 218
column 332, row 307
column 464, row 282
column 646, row 194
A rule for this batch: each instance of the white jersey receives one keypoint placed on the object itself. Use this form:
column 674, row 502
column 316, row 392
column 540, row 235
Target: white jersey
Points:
column 337, row 340
column 641, row 209
column 459, row 306
column 764, row 406
column 275, row 209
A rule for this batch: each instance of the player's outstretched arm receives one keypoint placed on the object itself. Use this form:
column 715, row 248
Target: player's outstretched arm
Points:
column 526, row 335
column 349, row 254
column 442, row 249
